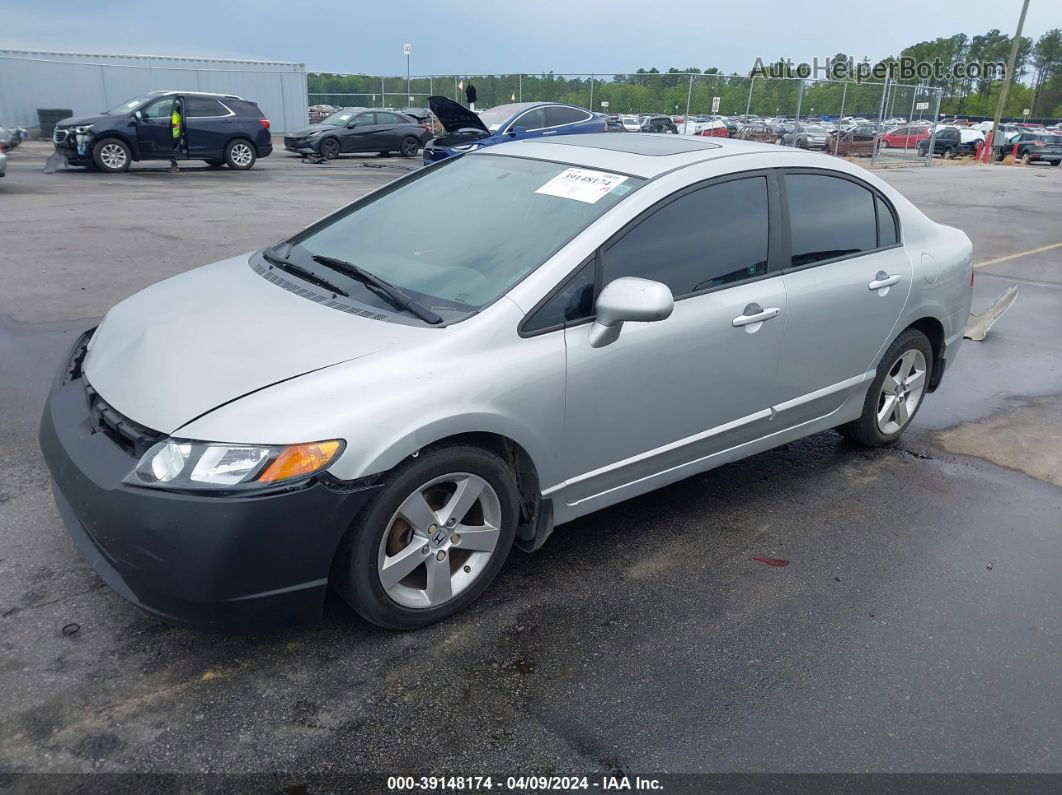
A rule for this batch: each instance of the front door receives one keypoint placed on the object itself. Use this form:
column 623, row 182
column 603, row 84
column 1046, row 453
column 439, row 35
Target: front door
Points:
column 849, row 283
column 672, row 392
column 362, row 137
column 153, row 133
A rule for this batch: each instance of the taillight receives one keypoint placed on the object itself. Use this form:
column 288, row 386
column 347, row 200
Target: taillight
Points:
column 264, row 123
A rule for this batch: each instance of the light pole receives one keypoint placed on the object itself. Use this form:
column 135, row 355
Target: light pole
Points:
column 407, row 50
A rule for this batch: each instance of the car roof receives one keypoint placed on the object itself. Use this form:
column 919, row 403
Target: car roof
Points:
column 645, row 155
column 163, row 92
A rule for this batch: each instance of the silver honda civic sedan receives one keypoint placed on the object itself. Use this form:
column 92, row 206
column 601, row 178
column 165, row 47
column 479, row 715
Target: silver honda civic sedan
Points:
column 389, row 400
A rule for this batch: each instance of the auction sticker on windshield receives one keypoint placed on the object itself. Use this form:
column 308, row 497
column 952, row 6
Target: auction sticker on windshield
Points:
column 581, row 184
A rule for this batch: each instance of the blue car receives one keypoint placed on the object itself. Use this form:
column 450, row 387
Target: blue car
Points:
column 466, row 130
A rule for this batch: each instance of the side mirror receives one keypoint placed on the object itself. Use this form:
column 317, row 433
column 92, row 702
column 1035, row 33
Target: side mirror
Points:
column 628, row 299
column 517, row 130
column 138, row 115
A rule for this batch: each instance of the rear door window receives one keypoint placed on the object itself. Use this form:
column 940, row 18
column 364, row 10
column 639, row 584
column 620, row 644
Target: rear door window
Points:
column 202, row 107
column 562, row 115
column 829, row 217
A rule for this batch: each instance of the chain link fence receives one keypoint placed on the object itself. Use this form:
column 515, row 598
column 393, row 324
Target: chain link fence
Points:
column 879, row 123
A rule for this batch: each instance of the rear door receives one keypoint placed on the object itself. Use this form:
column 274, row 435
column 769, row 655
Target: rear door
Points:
column 209, row 126
column 847, row 281
column 390, row 129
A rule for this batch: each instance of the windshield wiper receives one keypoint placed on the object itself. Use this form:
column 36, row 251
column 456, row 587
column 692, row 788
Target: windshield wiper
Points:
column 397, row 298
column 272, row 257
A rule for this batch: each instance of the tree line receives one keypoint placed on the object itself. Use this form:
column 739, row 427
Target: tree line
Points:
column 1036, row 84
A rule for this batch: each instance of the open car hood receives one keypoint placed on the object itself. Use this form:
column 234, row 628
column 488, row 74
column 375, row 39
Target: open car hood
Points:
column 454, row 116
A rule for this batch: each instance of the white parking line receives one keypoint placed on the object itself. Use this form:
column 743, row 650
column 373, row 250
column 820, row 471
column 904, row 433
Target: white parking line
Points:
column 1009, row 257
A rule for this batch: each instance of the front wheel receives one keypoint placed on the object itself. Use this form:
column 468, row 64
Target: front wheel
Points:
column 409, row 146
column 240, row 155
column 883, row 144
column 1025, row 159
column 111, row 155
column 431, row 541
column 896, row 392
column 329, row 148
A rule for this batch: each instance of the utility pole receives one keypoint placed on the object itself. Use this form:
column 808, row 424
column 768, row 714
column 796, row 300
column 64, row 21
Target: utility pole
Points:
column 407, row 50
column 1007, row 77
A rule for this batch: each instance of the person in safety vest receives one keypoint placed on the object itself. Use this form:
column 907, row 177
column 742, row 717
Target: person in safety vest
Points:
column 177, row 131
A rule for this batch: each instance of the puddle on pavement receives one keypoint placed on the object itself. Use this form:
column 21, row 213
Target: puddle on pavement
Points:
column 1027, row 438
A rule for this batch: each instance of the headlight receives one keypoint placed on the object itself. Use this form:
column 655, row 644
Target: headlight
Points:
column 467, row 147
column 83, row 129
column 179, row 464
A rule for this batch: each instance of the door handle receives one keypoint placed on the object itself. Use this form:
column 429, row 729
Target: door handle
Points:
column 754, row 314
column 882, row 279
column 550, row 132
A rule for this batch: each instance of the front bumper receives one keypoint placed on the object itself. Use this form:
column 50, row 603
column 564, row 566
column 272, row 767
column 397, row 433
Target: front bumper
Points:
column 433, row 154
column 243, row 563
column 300, row 145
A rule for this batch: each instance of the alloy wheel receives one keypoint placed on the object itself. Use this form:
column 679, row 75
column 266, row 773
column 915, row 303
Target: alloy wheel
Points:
column 241, row 155
column 440, row 539
column 901, row 391
column 112, row 156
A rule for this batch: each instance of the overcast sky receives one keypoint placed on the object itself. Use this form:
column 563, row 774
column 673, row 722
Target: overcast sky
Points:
column 529, row 36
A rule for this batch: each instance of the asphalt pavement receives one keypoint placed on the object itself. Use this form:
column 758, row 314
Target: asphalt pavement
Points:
column 915, row 628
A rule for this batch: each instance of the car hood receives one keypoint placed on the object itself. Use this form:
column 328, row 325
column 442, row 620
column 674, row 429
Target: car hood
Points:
column 79, row 121
column 302, row 132
column 453, row 116
column 185, row 346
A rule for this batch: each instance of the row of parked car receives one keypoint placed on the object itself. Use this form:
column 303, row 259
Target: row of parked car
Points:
column 224, row 129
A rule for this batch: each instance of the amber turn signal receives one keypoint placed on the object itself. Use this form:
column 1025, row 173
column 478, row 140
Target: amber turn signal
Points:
column 300, row 460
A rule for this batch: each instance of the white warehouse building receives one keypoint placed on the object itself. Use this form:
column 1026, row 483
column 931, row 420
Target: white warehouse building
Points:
column 89, row 83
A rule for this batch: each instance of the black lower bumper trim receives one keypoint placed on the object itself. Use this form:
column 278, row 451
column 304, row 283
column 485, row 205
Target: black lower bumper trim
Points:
column 232, row 563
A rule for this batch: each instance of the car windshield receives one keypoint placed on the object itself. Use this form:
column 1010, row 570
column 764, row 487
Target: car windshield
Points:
column 494, row 118
column 339, row 118
column 514, row 214
column 130, row 105
column 817, row 130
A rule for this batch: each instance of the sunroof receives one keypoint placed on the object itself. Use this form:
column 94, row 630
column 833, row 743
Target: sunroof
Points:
column 634, row 143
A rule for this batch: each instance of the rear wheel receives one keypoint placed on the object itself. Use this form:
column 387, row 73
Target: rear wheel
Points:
column 240, row 155
column 409, row 146
column 896, row 393
column 1025, row 159
column 111, row 155
column 883, row 144
column 329, row 148
column 432, row 539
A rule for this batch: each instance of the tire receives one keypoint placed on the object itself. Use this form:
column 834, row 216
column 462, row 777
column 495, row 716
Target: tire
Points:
column 409, row 146
column 381, row 532
column 215, row 163
column 240, row 154
column 1055, row 162
column 949, row 153
column 111, row 155
column 1025, row 159
column 909, row 355
column 329, row 148
column 883, row 144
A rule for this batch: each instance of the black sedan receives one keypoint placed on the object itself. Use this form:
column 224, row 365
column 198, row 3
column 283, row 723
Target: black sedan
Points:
column 360, row 130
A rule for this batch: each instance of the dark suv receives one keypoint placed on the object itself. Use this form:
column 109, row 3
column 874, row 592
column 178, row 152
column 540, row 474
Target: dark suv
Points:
column 219, row 129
